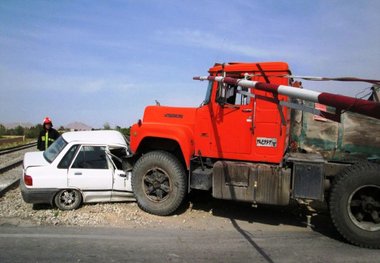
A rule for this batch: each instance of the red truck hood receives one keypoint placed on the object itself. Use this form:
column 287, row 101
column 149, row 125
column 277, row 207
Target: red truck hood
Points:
column 174, row 115
column 164, row 122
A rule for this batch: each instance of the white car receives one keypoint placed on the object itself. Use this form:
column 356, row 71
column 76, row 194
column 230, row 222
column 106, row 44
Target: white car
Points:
column 79, row 167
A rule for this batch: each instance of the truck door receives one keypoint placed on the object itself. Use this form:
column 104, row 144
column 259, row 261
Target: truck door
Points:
column 232, row 121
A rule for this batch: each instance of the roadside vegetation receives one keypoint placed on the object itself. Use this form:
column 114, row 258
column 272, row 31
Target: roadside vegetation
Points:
column 10, row 137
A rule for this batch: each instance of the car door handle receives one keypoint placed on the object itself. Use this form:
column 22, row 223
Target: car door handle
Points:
column 246, row 110
column 77, row 173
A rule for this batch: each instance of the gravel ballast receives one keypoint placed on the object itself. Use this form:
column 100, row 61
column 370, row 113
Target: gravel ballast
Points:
column 14, row 211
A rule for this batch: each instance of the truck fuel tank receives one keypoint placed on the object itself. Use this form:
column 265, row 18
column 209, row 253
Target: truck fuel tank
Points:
column 257, row 183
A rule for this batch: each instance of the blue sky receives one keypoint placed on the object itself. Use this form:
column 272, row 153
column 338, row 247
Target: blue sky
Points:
column 104, row 61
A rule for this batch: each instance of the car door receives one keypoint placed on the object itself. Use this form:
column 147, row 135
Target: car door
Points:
column 121, row 185
column 122, row 189
column 92, row 173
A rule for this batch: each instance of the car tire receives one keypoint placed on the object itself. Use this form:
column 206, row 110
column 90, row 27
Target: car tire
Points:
column 355, row 204
column 159, row 183
column 68, row 199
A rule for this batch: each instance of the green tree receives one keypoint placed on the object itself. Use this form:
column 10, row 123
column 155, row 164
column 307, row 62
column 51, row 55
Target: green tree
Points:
column 19, row 130
column 3, row 130
column 33, row 131
column 125, row 131
column 106, row 126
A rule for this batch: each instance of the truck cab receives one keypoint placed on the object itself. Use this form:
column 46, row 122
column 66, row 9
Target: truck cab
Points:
column 233, row 124
column 229, row 124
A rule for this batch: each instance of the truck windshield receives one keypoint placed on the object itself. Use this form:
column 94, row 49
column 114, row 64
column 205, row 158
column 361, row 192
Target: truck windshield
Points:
column 208, row 93
column 52, row 152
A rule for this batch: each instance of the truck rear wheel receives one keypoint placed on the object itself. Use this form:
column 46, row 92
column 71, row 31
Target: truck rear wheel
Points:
column 159, row 183
column 355, row 204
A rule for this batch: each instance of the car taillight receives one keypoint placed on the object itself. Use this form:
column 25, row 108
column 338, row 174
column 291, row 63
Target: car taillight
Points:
column 28, row 180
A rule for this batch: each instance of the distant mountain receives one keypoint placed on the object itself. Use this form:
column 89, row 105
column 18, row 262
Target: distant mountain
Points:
column 78, row 126
column 13, row 125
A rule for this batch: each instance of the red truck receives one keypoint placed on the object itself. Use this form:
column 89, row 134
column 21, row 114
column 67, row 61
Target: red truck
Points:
column 244, row 143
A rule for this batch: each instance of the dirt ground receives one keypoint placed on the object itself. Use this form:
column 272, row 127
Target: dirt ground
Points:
column 199, row 212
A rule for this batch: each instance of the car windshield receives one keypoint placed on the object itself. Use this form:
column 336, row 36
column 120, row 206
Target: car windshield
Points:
column 52, row 152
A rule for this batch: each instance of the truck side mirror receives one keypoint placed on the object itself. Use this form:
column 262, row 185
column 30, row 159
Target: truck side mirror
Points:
column 226, row 95
column 221, row 95
column 221, row 101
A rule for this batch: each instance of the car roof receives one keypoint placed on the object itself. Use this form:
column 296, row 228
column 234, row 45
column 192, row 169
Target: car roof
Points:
column 107, row 137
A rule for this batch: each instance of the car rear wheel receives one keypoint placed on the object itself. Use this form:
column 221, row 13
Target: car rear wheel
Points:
column 68, row 199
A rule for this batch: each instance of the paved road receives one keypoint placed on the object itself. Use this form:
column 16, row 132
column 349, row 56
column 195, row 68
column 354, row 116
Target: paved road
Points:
column 238, row 243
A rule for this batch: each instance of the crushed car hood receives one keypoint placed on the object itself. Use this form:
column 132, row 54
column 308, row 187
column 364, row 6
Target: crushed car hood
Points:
column 34, row 159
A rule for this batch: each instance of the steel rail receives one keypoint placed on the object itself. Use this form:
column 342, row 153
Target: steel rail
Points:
column 10, row 165
column 9, row 184
column 17, row 148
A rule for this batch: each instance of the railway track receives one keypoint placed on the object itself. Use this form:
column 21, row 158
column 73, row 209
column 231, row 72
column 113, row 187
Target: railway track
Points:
column 17, row 148
column 10, row 165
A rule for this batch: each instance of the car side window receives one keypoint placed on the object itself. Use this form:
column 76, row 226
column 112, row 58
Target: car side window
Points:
column 66, row 160
column 91, row 157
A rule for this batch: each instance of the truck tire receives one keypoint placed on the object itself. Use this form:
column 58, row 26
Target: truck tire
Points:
column 355, row 204
column 159, row 183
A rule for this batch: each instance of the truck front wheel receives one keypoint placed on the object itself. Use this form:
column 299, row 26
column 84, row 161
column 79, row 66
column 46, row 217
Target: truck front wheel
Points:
column 159, row 183
column 355, row 205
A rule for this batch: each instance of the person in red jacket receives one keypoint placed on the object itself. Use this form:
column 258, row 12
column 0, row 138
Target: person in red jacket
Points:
column 47, row 136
